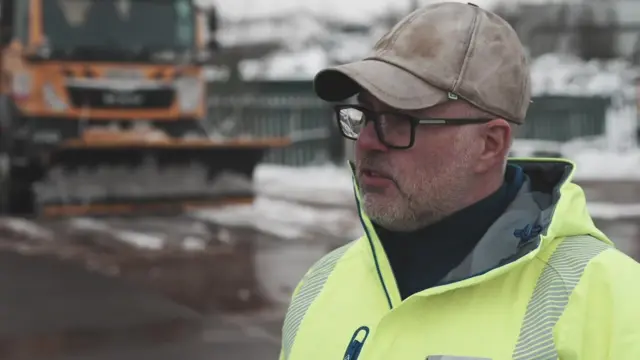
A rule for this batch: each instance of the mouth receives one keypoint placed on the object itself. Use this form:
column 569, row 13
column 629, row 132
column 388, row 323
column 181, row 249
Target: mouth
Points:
column 374, row 174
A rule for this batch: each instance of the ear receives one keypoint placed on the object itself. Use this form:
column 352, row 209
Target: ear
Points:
column 496, row 140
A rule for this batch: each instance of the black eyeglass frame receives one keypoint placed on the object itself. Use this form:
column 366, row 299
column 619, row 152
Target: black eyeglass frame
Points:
column 414, row 121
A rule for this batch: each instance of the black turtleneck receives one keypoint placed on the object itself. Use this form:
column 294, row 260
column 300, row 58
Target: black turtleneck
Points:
column 421, row 258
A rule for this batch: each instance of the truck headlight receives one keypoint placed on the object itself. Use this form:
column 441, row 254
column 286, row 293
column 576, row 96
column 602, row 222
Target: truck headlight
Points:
column 189, row 92
column 52, row 99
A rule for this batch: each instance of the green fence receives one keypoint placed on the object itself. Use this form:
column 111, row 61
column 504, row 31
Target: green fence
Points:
column 275, row 109
column 562, row 118
column 290, row 108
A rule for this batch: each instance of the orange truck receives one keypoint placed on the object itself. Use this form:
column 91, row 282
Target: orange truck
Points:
column 103, row 106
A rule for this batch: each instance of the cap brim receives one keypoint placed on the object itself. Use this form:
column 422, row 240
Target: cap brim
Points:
column 388, row 83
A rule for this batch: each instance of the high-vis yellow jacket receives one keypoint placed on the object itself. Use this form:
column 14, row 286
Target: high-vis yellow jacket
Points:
column 562, row 293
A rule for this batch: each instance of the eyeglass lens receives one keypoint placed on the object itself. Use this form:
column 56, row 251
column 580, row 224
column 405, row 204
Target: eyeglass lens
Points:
column 392, row 129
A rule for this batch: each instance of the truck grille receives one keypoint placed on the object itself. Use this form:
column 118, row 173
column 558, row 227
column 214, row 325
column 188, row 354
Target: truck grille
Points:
column 118, row 99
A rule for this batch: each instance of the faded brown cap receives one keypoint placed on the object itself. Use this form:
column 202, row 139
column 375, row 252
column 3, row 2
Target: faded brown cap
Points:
column 437, row 53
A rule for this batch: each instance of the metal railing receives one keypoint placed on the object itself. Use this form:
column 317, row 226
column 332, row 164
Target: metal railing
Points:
column 291, row 109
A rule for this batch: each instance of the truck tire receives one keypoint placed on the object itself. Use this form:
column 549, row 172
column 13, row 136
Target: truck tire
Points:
column 5, row 184
column 22, row 196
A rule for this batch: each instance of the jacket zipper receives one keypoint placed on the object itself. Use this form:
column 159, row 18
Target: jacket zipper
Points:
column 355, row 346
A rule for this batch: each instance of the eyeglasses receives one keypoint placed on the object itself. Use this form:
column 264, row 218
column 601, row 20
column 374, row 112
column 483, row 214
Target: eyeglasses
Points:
column 395, row 130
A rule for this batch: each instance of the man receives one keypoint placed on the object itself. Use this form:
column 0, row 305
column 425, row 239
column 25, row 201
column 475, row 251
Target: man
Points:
column 465, row 256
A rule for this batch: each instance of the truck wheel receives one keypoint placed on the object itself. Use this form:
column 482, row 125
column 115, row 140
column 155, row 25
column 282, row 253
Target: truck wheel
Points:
column 21, row 196
column 5, row 184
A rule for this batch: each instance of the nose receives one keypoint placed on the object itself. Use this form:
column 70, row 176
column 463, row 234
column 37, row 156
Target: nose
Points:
column 368, row 139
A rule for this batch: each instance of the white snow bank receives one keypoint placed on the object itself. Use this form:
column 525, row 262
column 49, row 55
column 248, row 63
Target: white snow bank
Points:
column 610, row 211
column 560, row 74
column 531, row 147
column 294, row 221
column 596, row 158
column 137, row 239
column 302, row 65
column 288, row 220
column 296, row 203
column 594, row 164
column 326, row 185
column 141, row 240
column 318, row 202
column 26, row 228
column 192, row 243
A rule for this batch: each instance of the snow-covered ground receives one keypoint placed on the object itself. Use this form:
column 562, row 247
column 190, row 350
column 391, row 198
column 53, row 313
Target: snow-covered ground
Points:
column 297, row 203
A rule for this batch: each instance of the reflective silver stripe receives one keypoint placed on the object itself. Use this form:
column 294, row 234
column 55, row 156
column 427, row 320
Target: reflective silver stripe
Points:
column 551, row 295
column 311, row 287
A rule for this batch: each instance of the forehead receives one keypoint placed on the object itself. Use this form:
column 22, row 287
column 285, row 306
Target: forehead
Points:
column 364, row 97
column 456, row 108
column 368, row 100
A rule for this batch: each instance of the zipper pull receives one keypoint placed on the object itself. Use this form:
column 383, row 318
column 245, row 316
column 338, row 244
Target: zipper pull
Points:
column 355, row 345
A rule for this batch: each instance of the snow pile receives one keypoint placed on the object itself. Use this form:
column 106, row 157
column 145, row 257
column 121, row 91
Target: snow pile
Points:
column 561, row 74
column 301, row 65
column 292, row 30
column 597, row 158
column 132, row 238
column 344, row 48
column 306, row 44
column 596, row 165
column 296, row 221
column 141, row 240
column 327, row 185
column 192, row 243
column 609, row 211
column 288, row 220
column 297, row 203
column 525, row 148
column 24, row 228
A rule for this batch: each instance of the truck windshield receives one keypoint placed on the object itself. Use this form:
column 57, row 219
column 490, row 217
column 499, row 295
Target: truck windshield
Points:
column 155, row 25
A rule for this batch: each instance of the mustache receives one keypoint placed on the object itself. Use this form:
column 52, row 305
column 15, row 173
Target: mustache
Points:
column 375, row 164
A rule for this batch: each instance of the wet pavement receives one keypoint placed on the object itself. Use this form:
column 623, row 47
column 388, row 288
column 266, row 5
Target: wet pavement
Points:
column 229, row 337
column 80, row 289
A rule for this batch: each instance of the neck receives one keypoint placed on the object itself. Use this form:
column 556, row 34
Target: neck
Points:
column 481, row 188
column 422, row 257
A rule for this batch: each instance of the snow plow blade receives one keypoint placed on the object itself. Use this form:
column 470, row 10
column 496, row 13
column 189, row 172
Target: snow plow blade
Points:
column 132, row 177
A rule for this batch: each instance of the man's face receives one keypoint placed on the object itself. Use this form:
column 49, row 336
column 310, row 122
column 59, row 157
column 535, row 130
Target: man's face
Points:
column 405, row 189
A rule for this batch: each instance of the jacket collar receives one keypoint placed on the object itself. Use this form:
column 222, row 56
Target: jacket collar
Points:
column 547, row 206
